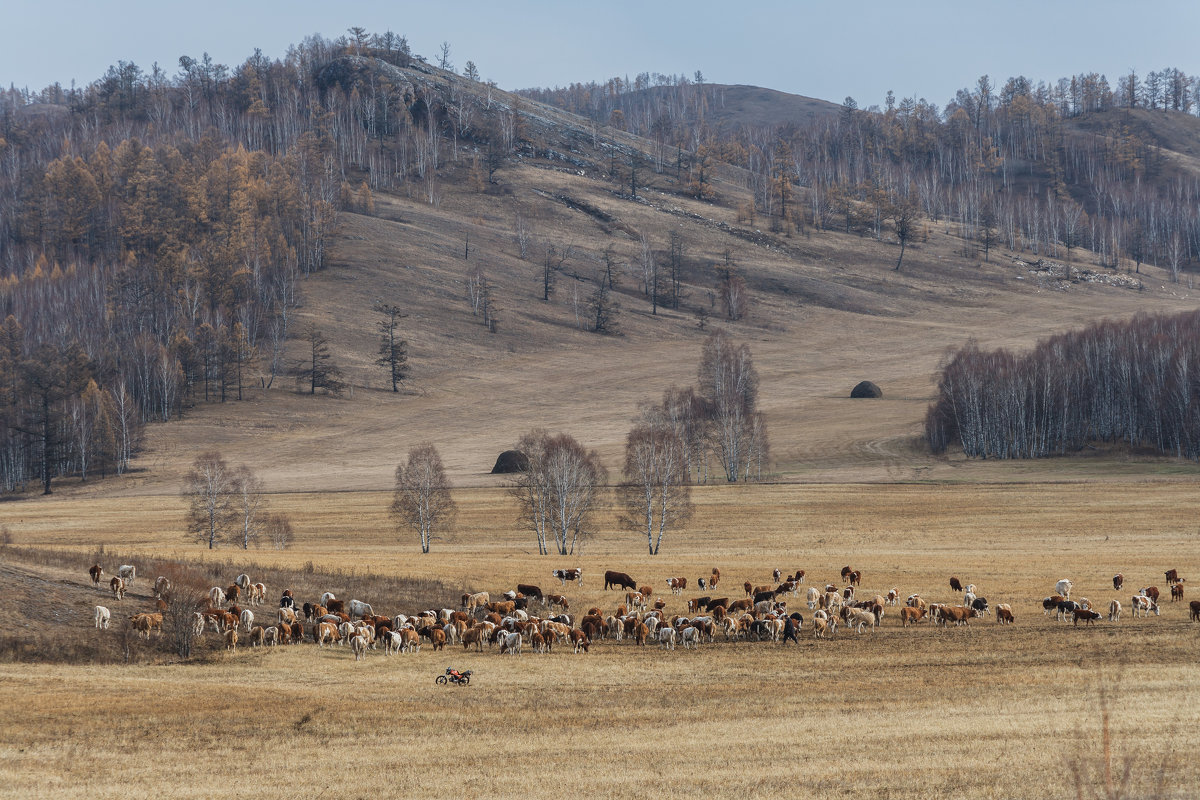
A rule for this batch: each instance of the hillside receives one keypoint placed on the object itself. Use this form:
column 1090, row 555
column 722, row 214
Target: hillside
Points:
column 491, row 183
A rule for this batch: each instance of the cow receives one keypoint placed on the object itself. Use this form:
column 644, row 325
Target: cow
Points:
column 1004, row 615
column 1142, row 603
column 749, row 587
column 1118, row 581
column 145, row 623
column 764, row 596
column 697, row 603
column 257, row 636
column 565, row 575
column 325, row 598
column 246, row 618
column 1114, row 611
column 1087, row 615
column 821, row 627
column 271, row 636
column 243, row 582
column 437, row 637
column 1172, row 577
column 666, row 638
column 677, row 585
column 799, row 576
column 335, row 606
column 96, row 572
column 813, row 597
column 1066, row 608
column 471, row 602
column 1051, row 603
column 162, row 586
column 287, row 601
column 233, row 592
column 359, row 646
column 511, row 644
column 216, row 597
column 128, row 572
column 360, row 609
column 288, row 615
column 959, row 615
column 955, row 584
column 258, row 593
column 231, row 639
column 893, row 597
column 689, row 637
column 859, row 618
column 636, row 600
column 846, row 570
column 980, row 604
column 102, row 616
column 1176, row 591
column 855, row 578
column 619, row 579
column 579, row 640
column 1064, row 588
column 1151, row 592
column 323, row 632
column 117, row 587
column 1194, row 606
column 529, row 590
column 718, row 602
column 910, row 616
column 848, row 594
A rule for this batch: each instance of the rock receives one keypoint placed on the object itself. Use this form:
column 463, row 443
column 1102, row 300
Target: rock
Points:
column 866, row 389
column 511, row 461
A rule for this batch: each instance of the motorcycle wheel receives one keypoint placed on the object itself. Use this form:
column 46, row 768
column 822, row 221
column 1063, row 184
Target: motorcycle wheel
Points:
column 440, row 680
column 465, row 679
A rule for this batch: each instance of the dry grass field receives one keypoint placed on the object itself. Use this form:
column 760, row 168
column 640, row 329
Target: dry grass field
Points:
column 978, row 712
column 985, row 711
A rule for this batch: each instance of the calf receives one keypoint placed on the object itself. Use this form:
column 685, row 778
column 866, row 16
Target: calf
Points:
column 1151, row 592
column 1087, row 615
column 117, row 587
column 955, row 584
column 128, row 572
column 102, row 617
column 558, row 600
column 1176, row 591
column 231, row 639
column 893, row 597
column 359, row 645
column 579, row 640
column 855, row 578
column 1172, row 577
column 677, row 585
column 1118, row 581
column 565, row 575
column 749, row 589
column 1004, row 615
column 1114, row 611
column 666, row 638
column 511, row 644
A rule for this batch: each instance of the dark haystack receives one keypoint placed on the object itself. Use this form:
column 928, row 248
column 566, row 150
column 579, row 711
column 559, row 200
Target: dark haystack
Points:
column 866, row 389
column 511, row 461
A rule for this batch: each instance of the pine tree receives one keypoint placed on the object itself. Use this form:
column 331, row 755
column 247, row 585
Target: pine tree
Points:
column 393, row 351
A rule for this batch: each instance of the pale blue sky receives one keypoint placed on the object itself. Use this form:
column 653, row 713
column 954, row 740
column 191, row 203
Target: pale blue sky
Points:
column 827, row 50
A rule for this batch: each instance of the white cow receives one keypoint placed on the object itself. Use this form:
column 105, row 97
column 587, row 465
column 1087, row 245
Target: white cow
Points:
column 102, row 617
column 1064, row 588
column 813, row 597
column 357, row 608
column 216, row 596
column 325, row 598
column 247, row 619
column 666, row 637
column 271, row 636
column 197, row 625
column 690, row 637
column 243, row 582
column 359, row 645
column 511, row 644
column 128, row 572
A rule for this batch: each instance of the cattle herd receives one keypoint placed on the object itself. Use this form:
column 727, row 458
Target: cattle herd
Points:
column 527, row 619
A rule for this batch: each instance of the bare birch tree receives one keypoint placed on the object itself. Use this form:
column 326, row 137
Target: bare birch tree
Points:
column 560, row 491
column 656, row 495
column 422, row 498
column 207, row 486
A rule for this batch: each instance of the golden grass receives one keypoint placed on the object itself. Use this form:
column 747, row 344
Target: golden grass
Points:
column 919, row 713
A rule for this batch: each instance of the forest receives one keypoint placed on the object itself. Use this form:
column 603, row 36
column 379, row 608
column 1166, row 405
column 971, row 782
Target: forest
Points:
column 155, row 227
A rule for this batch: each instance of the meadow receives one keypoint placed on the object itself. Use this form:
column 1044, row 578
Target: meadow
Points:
column 984, row 711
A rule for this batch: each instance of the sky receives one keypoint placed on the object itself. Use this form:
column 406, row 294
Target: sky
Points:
column 828, row 50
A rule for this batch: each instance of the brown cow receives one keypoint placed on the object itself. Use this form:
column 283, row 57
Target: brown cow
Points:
column 1172, row 577
column 117, row 586
column 745, row 604
column 959, row 615
column 955, row 584
column 640, row 632
column 855, row 578
column 1151, row 592
column 715, row 579
column 1004, row 615
column 846, row 570
column 1118, row 581
column 232, row 593
column 677, row 585
column 749, row 588
column 231, row 639
column 437, row 637
column 1087, row 615
column 1195, row 607
column 529, row 590
column 96, row 571
column 909, row 615
column 580, row 640
column 1176, row 591
column 473, row 636
column 336, row 606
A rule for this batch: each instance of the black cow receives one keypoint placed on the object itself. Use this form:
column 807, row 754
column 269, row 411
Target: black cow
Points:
column 614, row 578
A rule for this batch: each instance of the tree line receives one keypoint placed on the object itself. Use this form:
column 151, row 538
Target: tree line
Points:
column 1047, row 167
column 1135, row 382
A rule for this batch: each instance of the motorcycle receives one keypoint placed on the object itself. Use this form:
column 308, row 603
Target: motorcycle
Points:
column 453, row 676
